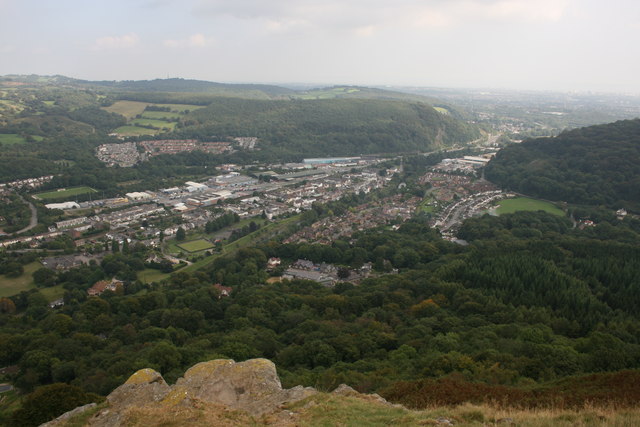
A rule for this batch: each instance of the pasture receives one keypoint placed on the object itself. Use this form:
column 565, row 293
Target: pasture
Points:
column 135, row 131
column 129, row 109
column 161, row 124
column 526, row 204
column 11, row 138
column 64, row 193
column 196, row 245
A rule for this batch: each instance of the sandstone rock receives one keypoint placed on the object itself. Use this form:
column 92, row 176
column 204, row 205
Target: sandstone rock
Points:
column 252, row 386
column 143, row 388
column 345, row 390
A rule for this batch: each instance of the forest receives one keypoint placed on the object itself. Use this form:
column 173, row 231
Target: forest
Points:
column 332, row 127
column 597, row 165
column 529, row 302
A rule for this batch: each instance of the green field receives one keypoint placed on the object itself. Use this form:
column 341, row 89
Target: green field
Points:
column 526, row 204
column 14, row 285
column 441, row 110
column 155, row 123
column 129, row 109
column 134, row 131
column 11, row 138
column 64, row 193
column 149, row 275
column 53, row 293
column 196, row 245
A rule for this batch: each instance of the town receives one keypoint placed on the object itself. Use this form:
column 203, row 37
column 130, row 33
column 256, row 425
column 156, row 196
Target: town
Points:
column 452, row 192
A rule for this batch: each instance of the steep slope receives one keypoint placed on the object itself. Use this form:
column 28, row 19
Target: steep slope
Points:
column 334, row 126
column 225, row 393
column 597, row 165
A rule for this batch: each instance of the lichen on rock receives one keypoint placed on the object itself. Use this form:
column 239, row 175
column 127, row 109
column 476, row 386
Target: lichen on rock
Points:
column 252, row 386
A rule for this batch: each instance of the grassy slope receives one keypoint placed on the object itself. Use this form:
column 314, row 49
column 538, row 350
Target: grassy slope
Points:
column 329, row 410
column 11, row 138
column 129, row 109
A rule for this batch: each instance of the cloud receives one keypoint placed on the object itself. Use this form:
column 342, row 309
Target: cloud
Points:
column 195, row 40
column 117, row 42
column 360, row 16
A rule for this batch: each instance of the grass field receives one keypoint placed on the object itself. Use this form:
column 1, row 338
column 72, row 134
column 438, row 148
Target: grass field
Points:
column 129, row 109
column 441, row 110
column 525, row 204
column 14, row 285
column 53, row 293
column 11, row 138
column 149, row 275
column 155, row 123
column 64, row 193
column 196, row 245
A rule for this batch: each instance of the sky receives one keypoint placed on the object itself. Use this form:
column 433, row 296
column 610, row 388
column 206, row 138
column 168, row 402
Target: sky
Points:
column 561, row 45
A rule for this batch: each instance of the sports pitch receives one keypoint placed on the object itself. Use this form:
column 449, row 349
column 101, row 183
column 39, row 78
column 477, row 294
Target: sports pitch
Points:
column 64, row 193
column 196, row 245
column 526, row 204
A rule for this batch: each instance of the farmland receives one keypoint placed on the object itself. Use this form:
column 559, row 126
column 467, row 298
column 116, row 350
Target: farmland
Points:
column 11, row 138
column 160, row 124
column 142, row 121
column 196, row 245
column 129, row 109
column 64, row 193
column 526, row 204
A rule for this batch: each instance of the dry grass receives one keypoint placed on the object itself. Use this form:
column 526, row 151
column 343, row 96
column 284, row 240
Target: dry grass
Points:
column 329, row 410
column 129, row 109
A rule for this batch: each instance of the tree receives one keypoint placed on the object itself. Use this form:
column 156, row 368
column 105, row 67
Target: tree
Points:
column 181, row 234
column 44, row 277
column 344, row 273
column 48, row 402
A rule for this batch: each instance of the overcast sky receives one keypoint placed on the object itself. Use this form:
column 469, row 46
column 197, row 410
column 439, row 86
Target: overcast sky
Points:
column 515, row 44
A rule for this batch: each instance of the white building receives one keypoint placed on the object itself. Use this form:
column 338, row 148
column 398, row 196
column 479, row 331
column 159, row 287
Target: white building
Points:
column 63, row 206
column 135, row 196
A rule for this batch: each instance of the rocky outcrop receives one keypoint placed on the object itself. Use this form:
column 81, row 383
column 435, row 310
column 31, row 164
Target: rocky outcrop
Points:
column 252, row 386
column 68, row 415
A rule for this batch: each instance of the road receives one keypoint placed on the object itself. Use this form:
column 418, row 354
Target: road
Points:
column 34, row 217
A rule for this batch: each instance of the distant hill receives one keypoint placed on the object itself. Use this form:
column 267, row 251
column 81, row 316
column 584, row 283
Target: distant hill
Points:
column 339, row 120
column 332, row 126
column 596, row 165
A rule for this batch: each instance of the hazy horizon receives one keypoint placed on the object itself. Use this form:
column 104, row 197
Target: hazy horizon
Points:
column 547, row 45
